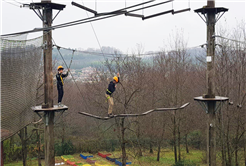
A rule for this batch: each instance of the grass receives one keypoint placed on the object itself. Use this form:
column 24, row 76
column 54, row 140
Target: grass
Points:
column 167, row 159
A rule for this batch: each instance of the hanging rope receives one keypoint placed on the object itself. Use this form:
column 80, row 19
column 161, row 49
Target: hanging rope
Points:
column 95, row 5
column 71, row 59
column 93, row 29
column 143, row 9
column 58, row 48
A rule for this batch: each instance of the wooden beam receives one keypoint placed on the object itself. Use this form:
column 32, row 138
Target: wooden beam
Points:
column 134, row 115
column 134, row 15
column 180, row 11
column 158, row 14
column 85, row 8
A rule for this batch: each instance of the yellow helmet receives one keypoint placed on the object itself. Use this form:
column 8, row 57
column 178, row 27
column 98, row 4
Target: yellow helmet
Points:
column 116, row 79
column 59, row 67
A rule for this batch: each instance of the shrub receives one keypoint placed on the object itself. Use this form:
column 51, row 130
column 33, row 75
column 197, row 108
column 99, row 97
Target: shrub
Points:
column 64, row 149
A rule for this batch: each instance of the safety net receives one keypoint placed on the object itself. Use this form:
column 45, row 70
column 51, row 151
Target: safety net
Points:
column 20, row 78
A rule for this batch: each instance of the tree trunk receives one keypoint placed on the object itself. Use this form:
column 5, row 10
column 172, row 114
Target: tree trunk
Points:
column 186, row 144
column 158, row 151
column 228, row 144
column 151, row 147
column 123, row 143
column 160, row 141
column 63, row 139
column 236, row 146
column 174, row 140
column 23, row 136
column 140, row 154
column 244, row 152
column 223, row 154
column 179, row 145
column 222, row 143
column 38, row 147
column 151, row 136
column 11, row 147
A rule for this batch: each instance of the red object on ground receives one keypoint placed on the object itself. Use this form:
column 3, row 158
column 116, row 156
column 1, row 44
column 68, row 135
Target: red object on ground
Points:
column 70, row 163
column 90, row 161
column 103, row 155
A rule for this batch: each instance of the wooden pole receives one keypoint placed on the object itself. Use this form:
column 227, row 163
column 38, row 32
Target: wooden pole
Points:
column 47, row 55
column 2, row 153
column 48, row 88
column 211, row 140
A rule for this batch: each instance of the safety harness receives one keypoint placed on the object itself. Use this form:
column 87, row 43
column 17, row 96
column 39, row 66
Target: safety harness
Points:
column 62, row 80
column 108, row 96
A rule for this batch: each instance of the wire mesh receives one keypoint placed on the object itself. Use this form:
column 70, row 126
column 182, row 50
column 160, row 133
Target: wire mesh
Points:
column 20, row 64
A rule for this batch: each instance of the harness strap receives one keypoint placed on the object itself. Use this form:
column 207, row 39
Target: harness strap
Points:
column 62, row 80
column 108, row 91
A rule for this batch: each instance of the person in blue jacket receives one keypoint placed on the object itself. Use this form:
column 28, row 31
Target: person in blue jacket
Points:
column 109, row 92
column 60, row 83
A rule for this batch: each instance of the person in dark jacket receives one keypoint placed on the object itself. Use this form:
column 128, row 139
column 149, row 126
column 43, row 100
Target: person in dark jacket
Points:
column 109, row 92
column 60, row 83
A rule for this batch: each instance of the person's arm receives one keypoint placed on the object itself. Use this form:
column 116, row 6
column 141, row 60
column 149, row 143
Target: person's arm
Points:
column 118, row 74
column 65, row 75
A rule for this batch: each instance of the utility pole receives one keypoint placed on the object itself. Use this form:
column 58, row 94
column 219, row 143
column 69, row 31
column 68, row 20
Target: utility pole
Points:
column 47, row 107
column 48, row 88
column 208, row 100
column 211, row 123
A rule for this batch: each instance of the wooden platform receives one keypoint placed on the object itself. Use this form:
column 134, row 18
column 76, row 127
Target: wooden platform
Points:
column 134, row 115
column 54, row 108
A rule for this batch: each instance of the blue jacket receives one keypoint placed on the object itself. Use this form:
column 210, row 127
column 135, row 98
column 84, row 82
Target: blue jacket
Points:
column 59, row 79
column 111, row 87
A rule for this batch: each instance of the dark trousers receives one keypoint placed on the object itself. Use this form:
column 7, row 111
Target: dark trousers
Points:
column 60, row 93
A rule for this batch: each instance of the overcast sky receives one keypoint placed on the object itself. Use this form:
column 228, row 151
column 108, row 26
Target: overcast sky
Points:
column 121, row 32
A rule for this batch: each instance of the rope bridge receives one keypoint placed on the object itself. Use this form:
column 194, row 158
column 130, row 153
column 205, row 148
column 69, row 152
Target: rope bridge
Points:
column 20, row 63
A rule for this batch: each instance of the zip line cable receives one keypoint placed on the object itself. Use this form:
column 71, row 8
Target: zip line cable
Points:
column 85, row 20
column 229, row 39
column 72, row 23
column 107, row 54
column 11, row 3
column 101, row 15
column 94, row 18
column 98, row 42
column 19, row 2
column 99, row 54
column 87, row 52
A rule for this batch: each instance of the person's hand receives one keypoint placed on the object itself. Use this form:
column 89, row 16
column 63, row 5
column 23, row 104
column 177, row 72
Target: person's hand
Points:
column 68, row 70
column 118, row 74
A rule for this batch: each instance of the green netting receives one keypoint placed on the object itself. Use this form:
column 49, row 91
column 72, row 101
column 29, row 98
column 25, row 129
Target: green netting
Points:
column 20, row 75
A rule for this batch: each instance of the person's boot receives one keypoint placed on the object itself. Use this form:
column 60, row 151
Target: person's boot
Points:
column 60, row 104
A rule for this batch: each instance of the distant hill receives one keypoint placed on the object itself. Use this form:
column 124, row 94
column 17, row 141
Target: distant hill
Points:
column 84, row 58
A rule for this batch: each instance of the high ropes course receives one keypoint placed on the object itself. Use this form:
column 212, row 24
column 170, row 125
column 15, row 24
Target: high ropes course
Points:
column 114, row 116
column 29, row 57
